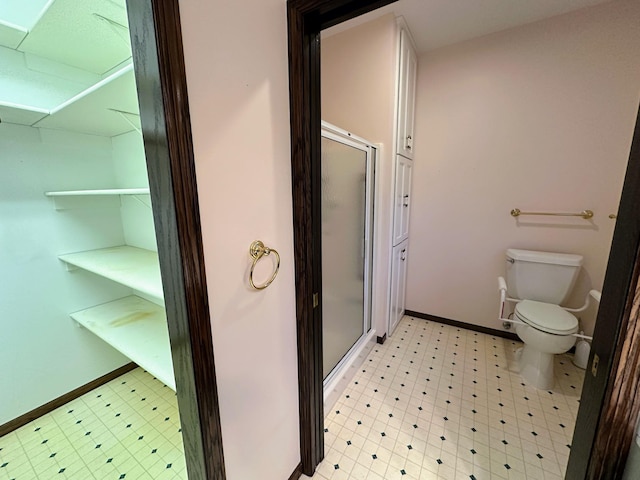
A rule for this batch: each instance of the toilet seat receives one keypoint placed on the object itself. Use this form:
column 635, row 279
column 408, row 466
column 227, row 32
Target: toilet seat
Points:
column 546, row 317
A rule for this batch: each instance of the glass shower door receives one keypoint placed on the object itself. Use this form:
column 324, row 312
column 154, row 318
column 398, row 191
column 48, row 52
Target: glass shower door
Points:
column 346, row 205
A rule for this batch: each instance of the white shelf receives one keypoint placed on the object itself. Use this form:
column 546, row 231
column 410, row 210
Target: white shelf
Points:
column 105, row 108
column 109, row 191
column 136, row 328
column 130, row 266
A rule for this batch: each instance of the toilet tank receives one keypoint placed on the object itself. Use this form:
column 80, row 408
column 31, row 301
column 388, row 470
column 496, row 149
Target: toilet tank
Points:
column 542, row 276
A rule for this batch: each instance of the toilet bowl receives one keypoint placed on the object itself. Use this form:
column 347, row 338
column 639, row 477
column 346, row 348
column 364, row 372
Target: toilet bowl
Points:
column 538, row 282
column 546, row 330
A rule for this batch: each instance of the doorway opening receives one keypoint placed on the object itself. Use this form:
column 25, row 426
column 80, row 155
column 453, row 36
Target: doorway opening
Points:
column 304, row 37
column 78, row 176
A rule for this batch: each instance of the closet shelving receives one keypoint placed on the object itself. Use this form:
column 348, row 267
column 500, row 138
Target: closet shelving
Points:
column 138, row 329
column 132, row 267
column 99, row 192
column 133, row 325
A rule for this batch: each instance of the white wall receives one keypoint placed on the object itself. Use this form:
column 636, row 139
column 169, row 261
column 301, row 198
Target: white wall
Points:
column 237, row 74
column 131, row 172
column 538, row 117
column 358, row 91
column 42, row 353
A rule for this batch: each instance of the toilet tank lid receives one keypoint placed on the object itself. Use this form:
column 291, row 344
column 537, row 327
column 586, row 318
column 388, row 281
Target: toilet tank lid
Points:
column 569, row 259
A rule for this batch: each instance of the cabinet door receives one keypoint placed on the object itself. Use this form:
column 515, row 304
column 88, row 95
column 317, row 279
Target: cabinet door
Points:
column 406, row 95
column 398, row 285
column 402, row 199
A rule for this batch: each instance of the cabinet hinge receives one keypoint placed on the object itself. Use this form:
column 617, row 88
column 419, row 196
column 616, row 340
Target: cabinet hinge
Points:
column 315, row 300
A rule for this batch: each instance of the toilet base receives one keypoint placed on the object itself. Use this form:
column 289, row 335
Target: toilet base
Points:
column 536, row 367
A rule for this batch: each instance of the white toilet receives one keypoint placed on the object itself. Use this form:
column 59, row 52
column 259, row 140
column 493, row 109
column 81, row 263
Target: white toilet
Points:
column 541, row 281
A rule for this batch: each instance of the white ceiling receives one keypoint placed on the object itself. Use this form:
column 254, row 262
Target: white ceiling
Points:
column 437, row 23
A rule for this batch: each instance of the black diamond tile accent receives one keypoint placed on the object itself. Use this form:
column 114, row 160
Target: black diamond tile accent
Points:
column 473, row 429
column 37, row 429
column 409, row 447
column 87, row 434
column 530, row 414
column 539, row 456
column 562, row 425
column 403, row 472
column 122, row 476
column 439, row 461
column 472, row 477
column 534, row 434
column 502, row 422
column 98, row 445
column 140, row 437
column 44, row 441
column 61, row 470
column 154, row 450
column 506, row 465
column 336, row 466
column 52, row 455
column 445, row 419
column 326, row 430
column 415, row 426
column 4, row 464
column 169, row 465
column 473, row 451
column 109, row 460
column 79, row 421
column 374, row 456
column 383, row 434
column 348, row 442
column 359, row 422
column 442, row 437
column 505, row 442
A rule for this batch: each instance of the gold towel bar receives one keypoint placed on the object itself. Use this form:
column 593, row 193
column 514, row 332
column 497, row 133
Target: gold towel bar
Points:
column 586, row 214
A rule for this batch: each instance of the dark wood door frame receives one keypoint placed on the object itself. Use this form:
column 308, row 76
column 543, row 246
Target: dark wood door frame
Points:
column 156, row 41
column 609, row 407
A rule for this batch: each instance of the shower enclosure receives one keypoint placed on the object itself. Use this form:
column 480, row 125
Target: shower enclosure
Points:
column 347, row 200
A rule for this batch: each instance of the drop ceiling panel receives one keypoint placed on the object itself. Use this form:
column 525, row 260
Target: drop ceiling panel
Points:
column 88, row 34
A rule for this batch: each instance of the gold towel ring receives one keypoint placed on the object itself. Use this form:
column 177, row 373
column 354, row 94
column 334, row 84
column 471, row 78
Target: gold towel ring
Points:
column 257, row 250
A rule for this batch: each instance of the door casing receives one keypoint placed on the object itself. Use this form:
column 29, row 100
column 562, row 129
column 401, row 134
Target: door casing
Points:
column 608, row 406
column 156, row 41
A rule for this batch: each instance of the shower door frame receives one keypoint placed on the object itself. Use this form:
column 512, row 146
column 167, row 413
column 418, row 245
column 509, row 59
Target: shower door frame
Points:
column 346, row 138
column 609, row 408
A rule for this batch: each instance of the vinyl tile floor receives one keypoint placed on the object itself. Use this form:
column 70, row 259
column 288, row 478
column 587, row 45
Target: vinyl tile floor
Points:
column 127, row 429
column 441, row 402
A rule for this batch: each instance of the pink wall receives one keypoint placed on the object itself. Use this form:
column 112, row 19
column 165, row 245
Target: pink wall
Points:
column 538, row 117
column 237, row 73
column 358, row 84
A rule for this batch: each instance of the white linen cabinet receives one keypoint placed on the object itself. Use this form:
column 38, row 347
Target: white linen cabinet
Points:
column 403, row 167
